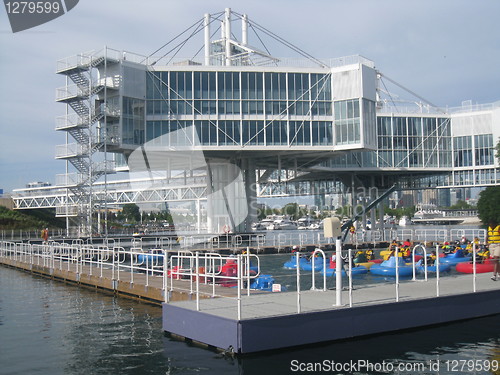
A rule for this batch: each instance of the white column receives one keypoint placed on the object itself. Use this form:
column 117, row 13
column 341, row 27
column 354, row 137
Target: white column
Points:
column 198, row 215
column 207, row 39
column 244, row 30
column 227, row 28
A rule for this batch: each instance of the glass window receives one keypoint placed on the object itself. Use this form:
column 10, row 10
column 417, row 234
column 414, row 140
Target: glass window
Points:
column 229, row 133
column 347, row 122
column 300, row 132
column 484, row 150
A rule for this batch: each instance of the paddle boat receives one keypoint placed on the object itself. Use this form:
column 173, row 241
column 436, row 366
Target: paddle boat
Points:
column 403, row 253
column 152, row 258
column 365, row 259
column 443, row 267
column 332, row 268
column 356, row 270
column 388, row 268
column 265, row 283
column 305, row 264
column 457, row 257
column 481, row 267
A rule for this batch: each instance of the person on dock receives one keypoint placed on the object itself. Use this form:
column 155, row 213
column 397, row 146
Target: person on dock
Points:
column 45, row 235
column 494, row 247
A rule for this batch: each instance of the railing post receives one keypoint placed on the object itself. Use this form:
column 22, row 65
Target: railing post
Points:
column 131, row 271
column 338, row 272
column 437, row 270
column 149, row 259
column 297, row 261
column 248, row 270
column 239, row 273
column 197, row 265
column 350, row 277
column 474, row 267
column 397, row 273
column 165, row 275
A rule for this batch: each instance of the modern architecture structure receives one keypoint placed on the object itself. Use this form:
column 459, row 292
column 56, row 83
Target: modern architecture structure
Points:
column 269, row 126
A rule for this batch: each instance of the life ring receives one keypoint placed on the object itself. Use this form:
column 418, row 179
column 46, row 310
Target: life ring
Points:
column 226, row 229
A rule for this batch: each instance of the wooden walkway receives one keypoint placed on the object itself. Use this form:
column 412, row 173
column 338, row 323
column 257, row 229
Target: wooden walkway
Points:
column 135, row 285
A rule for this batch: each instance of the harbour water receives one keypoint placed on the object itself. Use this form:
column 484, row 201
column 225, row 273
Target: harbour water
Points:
column 50, row 328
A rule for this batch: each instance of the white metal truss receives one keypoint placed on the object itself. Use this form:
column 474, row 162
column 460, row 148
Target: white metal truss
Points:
column 58, row 197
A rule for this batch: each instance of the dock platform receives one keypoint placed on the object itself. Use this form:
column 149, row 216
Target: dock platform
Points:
column 272, row 321
column 242, row 321
column 107, row 271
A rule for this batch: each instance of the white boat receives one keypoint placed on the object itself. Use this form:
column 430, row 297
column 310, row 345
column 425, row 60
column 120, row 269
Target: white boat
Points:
column 284, row 224
column 278, row 222
column 404, row 221
column 264, row 223
column 305, row 223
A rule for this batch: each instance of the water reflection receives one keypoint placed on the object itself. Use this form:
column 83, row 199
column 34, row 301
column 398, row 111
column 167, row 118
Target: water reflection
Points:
column 476, row 340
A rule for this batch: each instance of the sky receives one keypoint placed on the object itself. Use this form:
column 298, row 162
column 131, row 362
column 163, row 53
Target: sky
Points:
column 446, row 51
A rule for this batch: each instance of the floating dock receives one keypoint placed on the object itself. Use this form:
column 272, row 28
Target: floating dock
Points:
column 272, row 321
column 94, row 268
column 242, row 321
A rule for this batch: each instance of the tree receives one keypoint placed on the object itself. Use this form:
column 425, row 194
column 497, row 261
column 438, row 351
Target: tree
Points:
column 131, row 212
column 488, row 205
column 293, row 210
column 461, row 205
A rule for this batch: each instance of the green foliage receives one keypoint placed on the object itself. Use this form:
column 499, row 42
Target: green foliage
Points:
column 291, row 209
column 488, row 205
column 400, row 212
column 461, row 205
column 345, row 211
column 130, row 212
column 28, row 219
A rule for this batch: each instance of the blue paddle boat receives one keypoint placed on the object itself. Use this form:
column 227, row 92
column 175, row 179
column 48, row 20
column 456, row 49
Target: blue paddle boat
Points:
column 388, row 268
column 456, row 257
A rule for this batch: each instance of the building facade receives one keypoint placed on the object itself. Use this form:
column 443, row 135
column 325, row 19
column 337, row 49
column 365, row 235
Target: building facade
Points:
column 270, row 126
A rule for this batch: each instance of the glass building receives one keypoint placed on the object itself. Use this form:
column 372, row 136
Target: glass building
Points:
column 280, row 121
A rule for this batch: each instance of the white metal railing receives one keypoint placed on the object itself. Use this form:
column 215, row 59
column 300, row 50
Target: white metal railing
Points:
column 70, row 149
column 67, row 210
column 73, row 61
column 107, row 166
column 313, row 260
column 70, row 91
column 194, row 267
column 70, row 120
column 69, row 179
column 83, row 60
column 111, row 110
column 413, row 257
